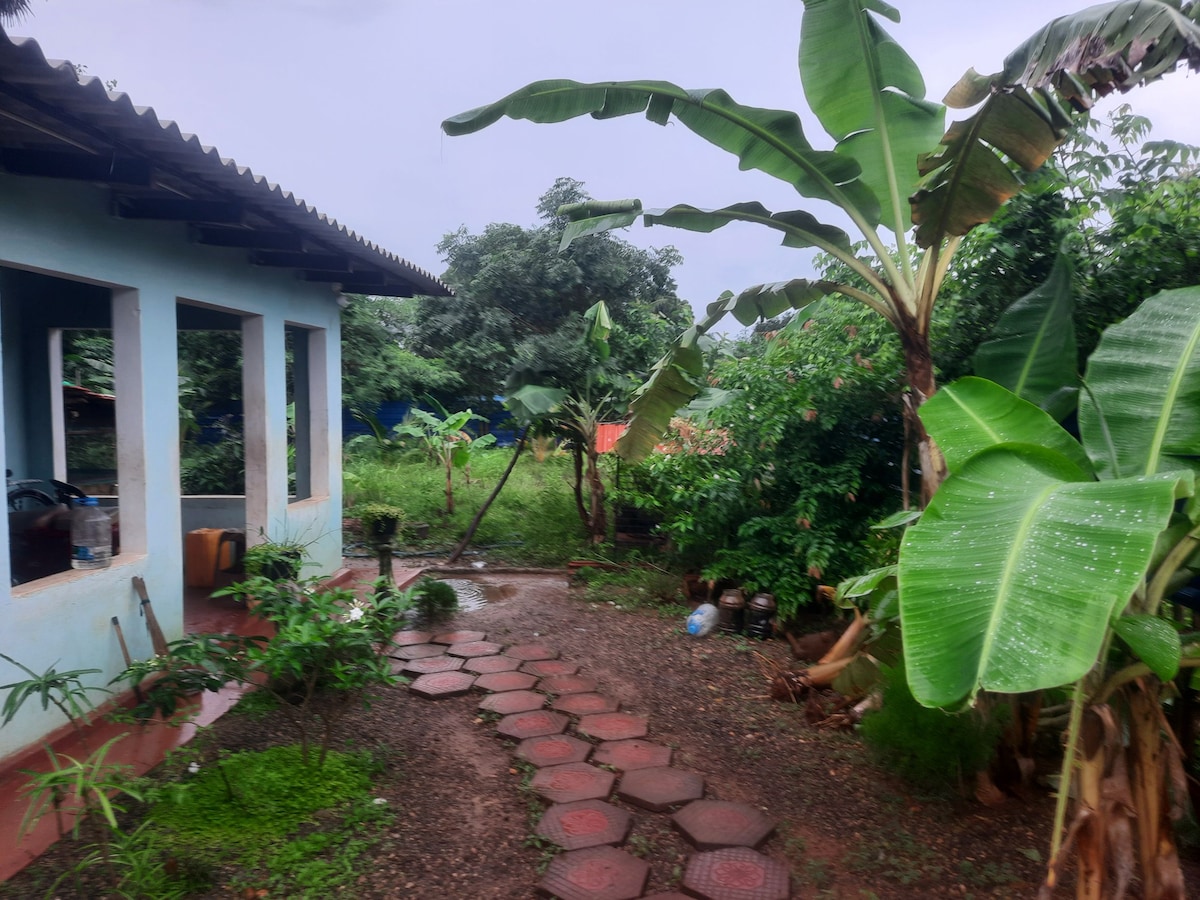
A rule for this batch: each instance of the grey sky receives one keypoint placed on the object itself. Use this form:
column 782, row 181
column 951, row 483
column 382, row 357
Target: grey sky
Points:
column 340, row 101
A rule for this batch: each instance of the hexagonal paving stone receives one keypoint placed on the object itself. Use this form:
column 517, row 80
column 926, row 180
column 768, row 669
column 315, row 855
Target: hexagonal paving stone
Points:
column 713, row 824
column 544, row 667
column 474, row 648
column 487, row 665
column 553, row 750
column 532, row 724
column 505, row 681
column 598, row 873
column 567, row 684
column 585, row 704
column 513, row 702
column 458, row 637
column 442, row 684
column 431, row 664
column 530, row 652
column 417, row 651
column 630, row 755
column 586, row 823
column 572, row 781
column 674, row 895
column 660, row 788
column 408, row 638
column 612, row 726
column 736, row 873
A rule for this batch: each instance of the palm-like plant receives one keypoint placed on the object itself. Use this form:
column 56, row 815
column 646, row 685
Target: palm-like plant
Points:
column 12, row 11
column 894, row 165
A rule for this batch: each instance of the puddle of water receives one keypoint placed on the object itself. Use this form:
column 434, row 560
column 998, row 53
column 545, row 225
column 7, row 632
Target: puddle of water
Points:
column 470, row 595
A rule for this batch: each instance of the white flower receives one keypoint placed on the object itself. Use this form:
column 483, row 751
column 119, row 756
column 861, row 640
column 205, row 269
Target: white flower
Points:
column 193, row 768
column 356, row 613
column 380, row 801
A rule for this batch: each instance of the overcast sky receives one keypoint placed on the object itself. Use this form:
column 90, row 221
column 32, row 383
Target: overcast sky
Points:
column 340, row 101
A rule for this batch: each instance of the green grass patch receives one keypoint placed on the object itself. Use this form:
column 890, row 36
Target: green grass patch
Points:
column 532, row 522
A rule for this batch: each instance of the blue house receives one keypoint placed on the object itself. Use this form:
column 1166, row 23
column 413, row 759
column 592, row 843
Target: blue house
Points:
column 113, row 219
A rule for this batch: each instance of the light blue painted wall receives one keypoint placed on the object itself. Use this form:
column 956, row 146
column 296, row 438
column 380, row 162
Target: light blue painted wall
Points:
column 64, row 230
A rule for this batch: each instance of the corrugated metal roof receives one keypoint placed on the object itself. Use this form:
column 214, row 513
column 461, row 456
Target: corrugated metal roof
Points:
column 56, row 123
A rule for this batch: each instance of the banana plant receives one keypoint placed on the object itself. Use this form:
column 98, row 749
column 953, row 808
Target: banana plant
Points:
column 894, row 165
column 1043, row 561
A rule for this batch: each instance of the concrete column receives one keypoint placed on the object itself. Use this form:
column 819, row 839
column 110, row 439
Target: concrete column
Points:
column 264, row 393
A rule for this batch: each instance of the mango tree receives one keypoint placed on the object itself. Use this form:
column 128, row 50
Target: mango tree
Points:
column 1044, row 561
column 894, row 165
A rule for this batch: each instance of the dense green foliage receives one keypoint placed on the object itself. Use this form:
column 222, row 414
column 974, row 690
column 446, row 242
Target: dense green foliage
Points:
column 519, row 305
column 777, row 485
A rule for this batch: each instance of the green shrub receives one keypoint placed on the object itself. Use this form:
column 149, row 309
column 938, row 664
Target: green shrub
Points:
column 434, row 600
column 930, row 748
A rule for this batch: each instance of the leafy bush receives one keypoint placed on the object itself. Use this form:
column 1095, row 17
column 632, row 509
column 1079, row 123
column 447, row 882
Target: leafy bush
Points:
column 434, row 600
column 776, row 487
column 930, row 748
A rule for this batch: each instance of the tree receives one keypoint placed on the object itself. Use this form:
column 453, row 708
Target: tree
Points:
column 13, row 11
column 519, row 304
column 894, row 165
column 375, row 368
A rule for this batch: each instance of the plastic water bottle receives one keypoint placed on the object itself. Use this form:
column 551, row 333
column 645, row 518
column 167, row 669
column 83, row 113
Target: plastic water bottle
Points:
column 702, row 620
column 91, row 535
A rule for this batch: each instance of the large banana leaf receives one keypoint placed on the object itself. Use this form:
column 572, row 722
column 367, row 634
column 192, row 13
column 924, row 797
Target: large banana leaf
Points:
column 1104, row 48
column 1111, row 46
column 973, row 414
column 770, row 140
column 1141, row 413
column 965, row 181
column 1032, row 348
column 869, row 96
column 675, row 379
column 1009, row 581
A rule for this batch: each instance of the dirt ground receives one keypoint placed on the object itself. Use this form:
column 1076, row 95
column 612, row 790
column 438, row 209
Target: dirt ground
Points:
column 847, row 829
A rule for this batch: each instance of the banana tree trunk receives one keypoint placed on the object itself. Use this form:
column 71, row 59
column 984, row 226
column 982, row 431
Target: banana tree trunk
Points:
column 598, row 518
column 918, row 367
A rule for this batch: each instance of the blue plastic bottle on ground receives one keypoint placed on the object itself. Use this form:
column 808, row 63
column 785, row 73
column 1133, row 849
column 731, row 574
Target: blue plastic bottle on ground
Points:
column 702, row 620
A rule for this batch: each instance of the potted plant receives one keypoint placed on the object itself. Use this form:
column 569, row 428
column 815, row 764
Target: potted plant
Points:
column 380, row 521
column 276, row 560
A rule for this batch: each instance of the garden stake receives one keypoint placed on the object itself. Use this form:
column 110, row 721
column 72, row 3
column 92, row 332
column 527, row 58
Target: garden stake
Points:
column 156, row 635
column 137, row 687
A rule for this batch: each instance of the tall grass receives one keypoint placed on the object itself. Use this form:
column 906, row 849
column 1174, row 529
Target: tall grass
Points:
column 532, row 522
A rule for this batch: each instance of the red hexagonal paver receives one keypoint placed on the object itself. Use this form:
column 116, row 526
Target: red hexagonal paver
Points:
column 586, row 823
column 458, row 637
column 408, row 638
column 630, row 755
column 736, row 873
column 530, row 652
column 674, row 895
column 585, row 704
column 474, row 648
column 505, row 681
column 660, row 788
column 513, row 702
column 532, row 724
column 612, row 726
column 553, row 750
column 544, row 667
column 417, row 651
column 572, row 781
column 442, row 684
column 598, row 873
column 488, row 665
column 431, row 664
column 567, row 684
column 713, row 824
